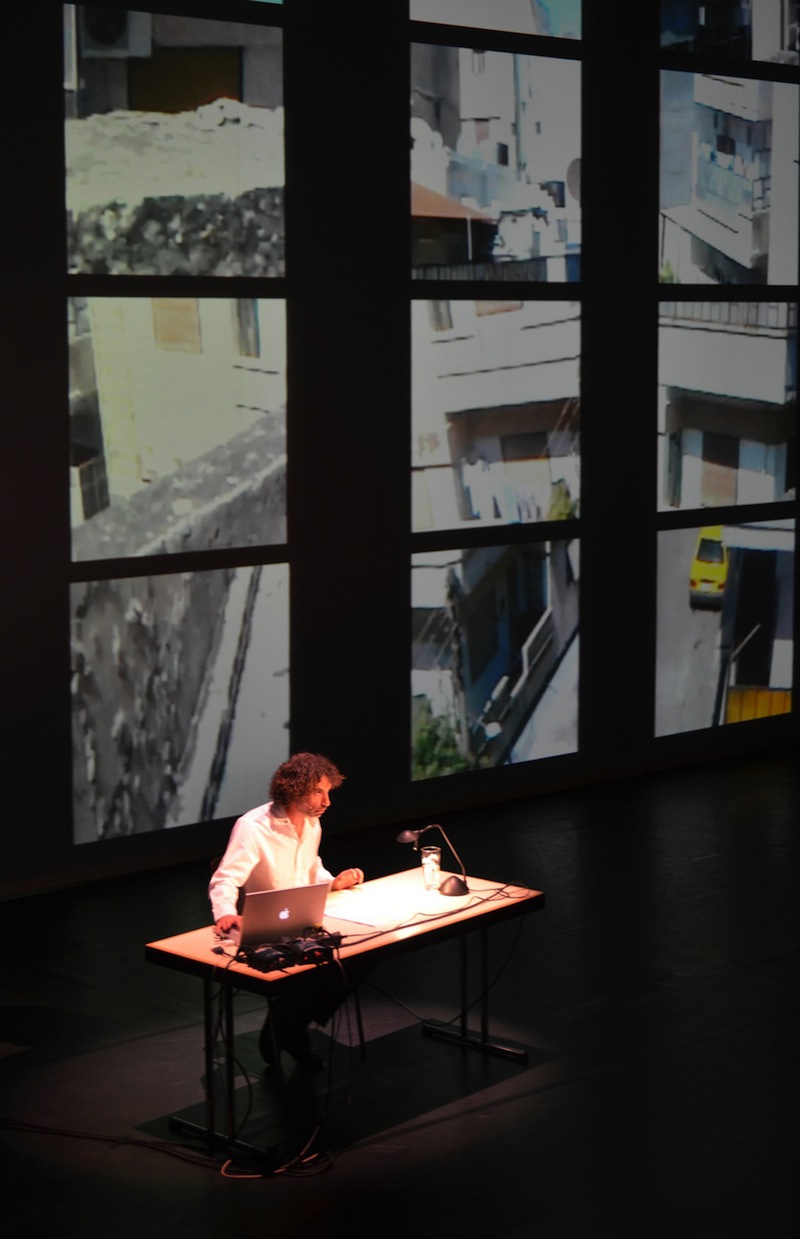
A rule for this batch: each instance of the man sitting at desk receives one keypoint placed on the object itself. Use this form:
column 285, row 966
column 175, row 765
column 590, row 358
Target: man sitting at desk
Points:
column 273, row 847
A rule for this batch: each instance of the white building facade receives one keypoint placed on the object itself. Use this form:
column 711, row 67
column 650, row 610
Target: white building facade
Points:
column 727, row 403
column 495, row 412
column 737, row 219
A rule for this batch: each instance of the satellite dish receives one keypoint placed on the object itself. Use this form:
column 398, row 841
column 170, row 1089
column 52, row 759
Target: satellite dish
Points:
column 574, row 179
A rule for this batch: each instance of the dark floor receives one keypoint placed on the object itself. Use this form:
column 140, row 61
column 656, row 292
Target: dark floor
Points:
column 657, row 993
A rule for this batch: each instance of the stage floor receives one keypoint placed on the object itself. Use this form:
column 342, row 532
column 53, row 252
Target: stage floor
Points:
column 657, row 994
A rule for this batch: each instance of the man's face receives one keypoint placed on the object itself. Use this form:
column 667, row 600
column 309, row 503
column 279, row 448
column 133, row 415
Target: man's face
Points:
column 316, row 801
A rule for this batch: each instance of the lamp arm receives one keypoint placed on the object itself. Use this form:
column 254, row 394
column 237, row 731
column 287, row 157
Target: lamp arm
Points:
column 421, row 832
column 458, row 858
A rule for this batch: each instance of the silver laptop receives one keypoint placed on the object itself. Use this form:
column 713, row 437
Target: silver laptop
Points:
column 268, row 916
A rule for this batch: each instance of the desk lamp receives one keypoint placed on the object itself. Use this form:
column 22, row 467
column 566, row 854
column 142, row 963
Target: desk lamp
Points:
column 452, row 885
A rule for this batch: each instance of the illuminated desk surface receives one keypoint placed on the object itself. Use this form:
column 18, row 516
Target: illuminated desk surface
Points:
column 413, row 917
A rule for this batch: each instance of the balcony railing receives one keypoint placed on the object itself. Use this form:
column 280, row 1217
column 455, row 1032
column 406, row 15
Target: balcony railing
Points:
column 770, row 314
column 526, row 270
column 729, row 193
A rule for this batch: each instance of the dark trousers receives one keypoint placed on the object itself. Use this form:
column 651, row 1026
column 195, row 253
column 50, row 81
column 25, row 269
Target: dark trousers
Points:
column 312, row 997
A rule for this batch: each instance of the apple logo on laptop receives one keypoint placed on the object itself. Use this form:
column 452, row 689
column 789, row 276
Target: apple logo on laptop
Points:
column 283, row 915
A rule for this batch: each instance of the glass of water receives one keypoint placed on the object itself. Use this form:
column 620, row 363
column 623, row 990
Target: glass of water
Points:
column 431, row 858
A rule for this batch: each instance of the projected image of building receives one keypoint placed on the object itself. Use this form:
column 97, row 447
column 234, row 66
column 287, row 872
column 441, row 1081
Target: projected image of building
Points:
column 177, row 424
column 725, row 624
column 727, row 403
column 554, row 18
column 180, row 697
column 757, row 624
column 174, row 145
column 495, row 412
column 729, row 185
column 739, row 29
column 495, row 165
column 494, row 659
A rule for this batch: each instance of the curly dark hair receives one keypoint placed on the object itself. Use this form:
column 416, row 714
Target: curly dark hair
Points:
column 300, row 775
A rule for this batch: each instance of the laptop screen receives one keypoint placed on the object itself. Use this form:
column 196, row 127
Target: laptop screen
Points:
column 269, row 916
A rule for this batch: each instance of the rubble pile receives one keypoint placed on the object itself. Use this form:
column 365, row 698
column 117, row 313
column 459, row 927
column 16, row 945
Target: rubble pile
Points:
column 196, row 193
column 203, row 235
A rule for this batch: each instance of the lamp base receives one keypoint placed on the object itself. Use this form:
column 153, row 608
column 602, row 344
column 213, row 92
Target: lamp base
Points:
column 453, row 886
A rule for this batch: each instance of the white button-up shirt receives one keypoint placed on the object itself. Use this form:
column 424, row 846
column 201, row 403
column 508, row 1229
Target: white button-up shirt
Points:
column 265, row 853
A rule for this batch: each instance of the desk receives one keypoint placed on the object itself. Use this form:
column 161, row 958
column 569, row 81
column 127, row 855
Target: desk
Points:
column 415, row 918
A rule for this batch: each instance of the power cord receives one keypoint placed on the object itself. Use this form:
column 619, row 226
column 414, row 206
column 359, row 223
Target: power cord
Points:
column 154, row 1146
column 302, row 1165
column 421, row 1018
column 493, row 981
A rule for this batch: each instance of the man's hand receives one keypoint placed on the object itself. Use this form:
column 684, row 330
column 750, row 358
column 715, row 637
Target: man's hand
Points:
column 347, row 878
column 226, row 923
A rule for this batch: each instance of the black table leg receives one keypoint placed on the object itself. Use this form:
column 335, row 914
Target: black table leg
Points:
column 461, row 1035
column 216, row 1140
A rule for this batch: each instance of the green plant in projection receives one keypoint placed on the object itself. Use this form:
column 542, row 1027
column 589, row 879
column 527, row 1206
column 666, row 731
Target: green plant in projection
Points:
column 562, row 506
column 435, row 746
column 666, row 275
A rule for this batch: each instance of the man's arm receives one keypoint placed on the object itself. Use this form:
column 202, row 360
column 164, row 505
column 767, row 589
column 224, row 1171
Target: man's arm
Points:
column 347, row 878
column 230, row 876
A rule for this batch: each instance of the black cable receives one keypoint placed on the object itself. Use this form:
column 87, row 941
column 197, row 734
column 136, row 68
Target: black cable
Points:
column 502, row 892
column 155, row 1146
column 300, row 1164
column 499, row 892
column 395, row 999
column 493, row 982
